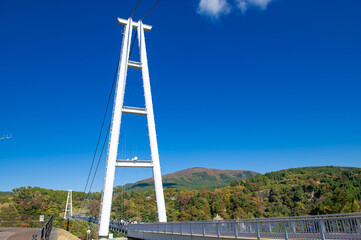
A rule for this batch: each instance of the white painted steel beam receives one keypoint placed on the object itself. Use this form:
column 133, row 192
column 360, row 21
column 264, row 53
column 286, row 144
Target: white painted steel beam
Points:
column 135, row 65
column 162, row 217
column 106, row 203
column 134, row 110
column 130, row 163
column 123, row 22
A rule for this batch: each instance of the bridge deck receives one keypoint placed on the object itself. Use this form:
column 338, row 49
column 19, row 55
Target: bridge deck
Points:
column 175, row 236
column 321, row 227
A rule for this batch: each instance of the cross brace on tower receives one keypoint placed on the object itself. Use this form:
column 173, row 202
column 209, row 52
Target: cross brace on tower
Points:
column 118, row 109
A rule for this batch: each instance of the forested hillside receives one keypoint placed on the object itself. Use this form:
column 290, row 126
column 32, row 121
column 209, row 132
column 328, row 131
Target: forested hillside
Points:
column 307, row 191
column 26, row 204
column 5, row 193
column 291, row 192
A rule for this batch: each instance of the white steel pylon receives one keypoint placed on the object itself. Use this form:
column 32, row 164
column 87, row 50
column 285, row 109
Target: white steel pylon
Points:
column 69, row 205
column 118, row 109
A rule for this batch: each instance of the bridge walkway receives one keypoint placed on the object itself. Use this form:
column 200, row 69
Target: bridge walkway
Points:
column 320, row 227
column 17, row 233
column 325, row 227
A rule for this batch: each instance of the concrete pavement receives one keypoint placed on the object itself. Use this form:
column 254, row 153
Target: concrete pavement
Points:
column 17, row 233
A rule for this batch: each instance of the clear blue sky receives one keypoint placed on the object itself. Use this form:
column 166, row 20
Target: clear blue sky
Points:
column 239, row 84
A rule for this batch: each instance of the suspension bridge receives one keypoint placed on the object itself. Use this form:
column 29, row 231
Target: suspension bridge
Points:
column 341, row 226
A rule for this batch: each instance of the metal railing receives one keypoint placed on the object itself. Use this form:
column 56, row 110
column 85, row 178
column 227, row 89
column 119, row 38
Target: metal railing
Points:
column 94, row 220
column 45, row 231
column 340, row 226
column 114, row 224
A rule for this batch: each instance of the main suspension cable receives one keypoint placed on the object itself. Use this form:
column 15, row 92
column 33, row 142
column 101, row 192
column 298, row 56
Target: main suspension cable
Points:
column 151, row 9
column 101, row 154
column 101, row 129
column 135, row 8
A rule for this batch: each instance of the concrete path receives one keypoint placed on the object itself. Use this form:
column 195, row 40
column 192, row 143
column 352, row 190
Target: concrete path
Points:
column 17, row 233
column 54, row 234
column 5, row 235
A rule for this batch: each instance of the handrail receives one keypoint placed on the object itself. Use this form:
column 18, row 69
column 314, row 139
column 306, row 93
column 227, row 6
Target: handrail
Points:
column 338, row 226
column 326, row 216
column 318, row 227
column 45, row 231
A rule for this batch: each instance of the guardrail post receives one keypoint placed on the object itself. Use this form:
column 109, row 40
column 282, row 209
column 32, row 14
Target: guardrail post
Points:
column 218, row 229
column 285, row 230
column 203, row 229
column 269, row 227
column 191, row 230
column 235, row 230
column 358, row 225
column 322, row 229
column 258, row 234
column 293, row 227
column 303, row 228
column 180, row 228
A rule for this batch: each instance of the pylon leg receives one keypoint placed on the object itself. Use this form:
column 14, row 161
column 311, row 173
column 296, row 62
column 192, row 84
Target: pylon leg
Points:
column 162, row 217
column 114, row 133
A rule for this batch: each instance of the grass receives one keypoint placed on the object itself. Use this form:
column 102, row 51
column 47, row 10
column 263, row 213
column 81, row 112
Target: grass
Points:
column 64, row 235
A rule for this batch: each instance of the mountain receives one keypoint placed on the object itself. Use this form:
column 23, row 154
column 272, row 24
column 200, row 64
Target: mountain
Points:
column 194, row 178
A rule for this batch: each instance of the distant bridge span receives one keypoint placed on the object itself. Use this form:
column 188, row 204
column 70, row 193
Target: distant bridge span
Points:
column 114, row 224
column 320, row 227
